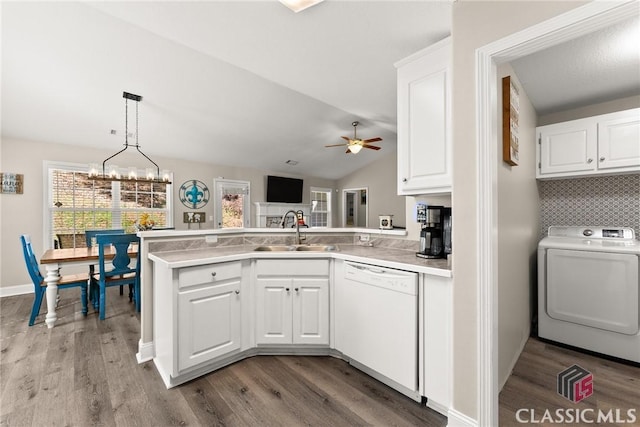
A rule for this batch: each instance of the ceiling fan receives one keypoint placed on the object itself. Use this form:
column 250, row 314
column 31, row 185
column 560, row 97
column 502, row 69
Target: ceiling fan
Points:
column 355, row 144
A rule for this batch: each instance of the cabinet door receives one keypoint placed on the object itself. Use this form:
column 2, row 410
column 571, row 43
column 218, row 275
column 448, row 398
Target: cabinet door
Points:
column 424, row 146
column 209, row 323
column 311, row 311
column 273, row 311
column 568, row 147
column 619, row 141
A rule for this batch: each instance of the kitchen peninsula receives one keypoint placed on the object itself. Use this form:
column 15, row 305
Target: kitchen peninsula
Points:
column 203, row 292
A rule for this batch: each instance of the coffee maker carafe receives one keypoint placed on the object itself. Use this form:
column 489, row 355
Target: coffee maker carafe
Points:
column 433, row 233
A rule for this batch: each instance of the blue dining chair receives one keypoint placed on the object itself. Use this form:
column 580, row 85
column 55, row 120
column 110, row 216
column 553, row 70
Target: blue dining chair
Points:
column 40, row 286
column 121, row 270
column 93, row 285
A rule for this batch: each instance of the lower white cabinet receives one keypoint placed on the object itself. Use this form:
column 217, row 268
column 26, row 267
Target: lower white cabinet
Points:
column 197, row 316
column 292, row 302
column 209, row 323
column 437, row 321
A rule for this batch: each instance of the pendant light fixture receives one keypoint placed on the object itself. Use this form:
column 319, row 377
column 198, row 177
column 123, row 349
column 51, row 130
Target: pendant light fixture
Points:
column 111, row 172
column 299, row 5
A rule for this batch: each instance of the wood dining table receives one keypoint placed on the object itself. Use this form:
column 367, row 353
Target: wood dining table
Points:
column 54, row 259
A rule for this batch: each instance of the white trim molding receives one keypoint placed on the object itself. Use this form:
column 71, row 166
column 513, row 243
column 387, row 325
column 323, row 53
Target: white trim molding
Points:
column 574, row 23
column 458, row 419
column 10, row 291
column 146, row 351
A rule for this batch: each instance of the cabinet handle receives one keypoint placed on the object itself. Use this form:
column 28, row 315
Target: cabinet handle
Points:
column 602, row 159
column 287, row 289
column 404, row 179
column 297, row 289
column 237, row 292
column 589, row 160
column 213, row 274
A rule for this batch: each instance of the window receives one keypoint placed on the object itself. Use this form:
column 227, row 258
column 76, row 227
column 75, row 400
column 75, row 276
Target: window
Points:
column 76, row 203
column 231, row 203
column 320, row 207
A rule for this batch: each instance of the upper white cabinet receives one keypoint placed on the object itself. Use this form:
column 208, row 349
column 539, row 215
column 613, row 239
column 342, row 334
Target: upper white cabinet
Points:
column 619, row 140
column 424, row 121
column 605, row 144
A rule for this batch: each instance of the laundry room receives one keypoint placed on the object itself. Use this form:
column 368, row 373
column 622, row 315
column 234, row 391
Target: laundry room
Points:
column 577, row 165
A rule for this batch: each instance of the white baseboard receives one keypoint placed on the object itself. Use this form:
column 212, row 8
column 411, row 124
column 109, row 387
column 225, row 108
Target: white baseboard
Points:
column 9, row 291
column 145, row 352
column 458, row 419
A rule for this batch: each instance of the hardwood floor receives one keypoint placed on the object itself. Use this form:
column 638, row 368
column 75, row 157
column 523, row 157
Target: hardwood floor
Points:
column 533, row 386
column 83, row 372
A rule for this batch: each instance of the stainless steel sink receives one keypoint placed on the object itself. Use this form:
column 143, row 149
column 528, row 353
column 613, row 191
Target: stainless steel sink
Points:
column 292, row 248
column 275, row 248
column 317, row 248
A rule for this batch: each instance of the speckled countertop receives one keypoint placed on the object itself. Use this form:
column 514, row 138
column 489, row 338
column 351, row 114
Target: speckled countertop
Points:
column 384, row 257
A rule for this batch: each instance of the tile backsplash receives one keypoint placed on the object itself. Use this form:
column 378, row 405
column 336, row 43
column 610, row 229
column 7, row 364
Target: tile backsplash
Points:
column 602, row 200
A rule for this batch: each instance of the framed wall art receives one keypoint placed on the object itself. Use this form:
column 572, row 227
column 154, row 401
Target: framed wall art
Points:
column 12, row 183
column 510, row 115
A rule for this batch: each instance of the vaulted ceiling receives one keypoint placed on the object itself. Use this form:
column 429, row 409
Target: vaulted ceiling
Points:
column 244, row 83
column 250, row 83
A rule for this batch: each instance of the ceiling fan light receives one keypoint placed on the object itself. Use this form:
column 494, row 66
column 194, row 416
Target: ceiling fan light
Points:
column 299, row 5
column 355, row 148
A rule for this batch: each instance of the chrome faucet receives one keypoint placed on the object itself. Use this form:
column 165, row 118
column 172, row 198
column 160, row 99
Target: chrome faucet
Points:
column 297, row 222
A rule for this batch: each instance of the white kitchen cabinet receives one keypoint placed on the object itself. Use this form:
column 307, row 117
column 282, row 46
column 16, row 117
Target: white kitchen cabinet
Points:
column 436, row 308
column 209, row 323
column 292, row 302
column 619, row 140
column 197, row 316
column 605, row 144
column 424, row 121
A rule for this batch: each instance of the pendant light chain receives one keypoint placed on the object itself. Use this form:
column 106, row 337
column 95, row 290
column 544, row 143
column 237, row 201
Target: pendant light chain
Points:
column 126, row 122
column 137, row 124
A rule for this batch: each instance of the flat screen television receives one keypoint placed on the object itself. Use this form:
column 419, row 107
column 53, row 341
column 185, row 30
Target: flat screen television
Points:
column 284, row 190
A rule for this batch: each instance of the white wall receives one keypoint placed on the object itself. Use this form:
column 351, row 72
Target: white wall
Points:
column 475, row 24
column 24, row 213
column 518, row 224
column 381, row 177
column 590, row 110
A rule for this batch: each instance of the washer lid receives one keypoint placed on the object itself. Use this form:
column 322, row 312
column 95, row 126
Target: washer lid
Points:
column 600, row 239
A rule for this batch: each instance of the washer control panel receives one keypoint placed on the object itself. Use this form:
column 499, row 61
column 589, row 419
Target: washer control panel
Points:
column 617, row 233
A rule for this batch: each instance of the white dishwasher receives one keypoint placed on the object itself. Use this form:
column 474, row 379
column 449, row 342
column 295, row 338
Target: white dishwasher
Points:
column 377, row 310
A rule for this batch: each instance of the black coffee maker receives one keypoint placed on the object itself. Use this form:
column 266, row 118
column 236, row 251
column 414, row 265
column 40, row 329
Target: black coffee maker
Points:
column 435, row 236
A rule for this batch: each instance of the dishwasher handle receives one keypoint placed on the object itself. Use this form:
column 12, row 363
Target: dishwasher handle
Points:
column 368, row 268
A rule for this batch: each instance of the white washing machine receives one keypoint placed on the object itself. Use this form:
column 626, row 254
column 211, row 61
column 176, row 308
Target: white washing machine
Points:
column 588, row 289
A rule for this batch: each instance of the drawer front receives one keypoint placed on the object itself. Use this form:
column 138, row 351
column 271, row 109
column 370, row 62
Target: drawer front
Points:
column 192, row 276
column 288, row 267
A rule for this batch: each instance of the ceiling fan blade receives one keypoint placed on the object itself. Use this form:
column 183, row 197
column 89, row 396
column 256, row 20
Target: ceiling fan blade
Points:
column 346, row 138
column 373, row 147
column 366, row 141
column 336, row 145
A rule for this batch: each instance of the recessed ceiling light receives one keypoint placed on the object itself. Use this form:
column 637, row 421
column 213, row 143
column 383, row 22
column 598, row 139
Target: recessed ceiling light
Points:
column 291, row 162
column 299, row 5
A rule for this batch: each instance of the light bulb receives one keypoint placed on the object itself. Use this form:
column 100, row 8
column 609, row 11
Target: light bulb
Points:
column 355, row 148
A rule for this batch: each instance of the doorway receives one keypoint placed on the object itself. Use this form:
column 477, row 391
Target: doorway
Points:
column 232, row 204
column 580, row 21
column 355, row 207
